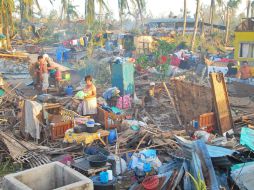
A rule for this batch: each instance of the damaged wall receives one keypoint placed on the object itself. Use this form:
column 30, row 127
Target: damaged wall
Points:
column 191, row 100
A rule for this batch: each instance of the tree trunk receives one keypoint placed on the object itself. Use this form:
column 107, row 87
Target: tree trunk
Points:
column 248, row 8
column 227, row 25
column 22, row 16
column 38, row 6
column 140, row 13
column 184, row 16
column 211, row 15
column 196, row 25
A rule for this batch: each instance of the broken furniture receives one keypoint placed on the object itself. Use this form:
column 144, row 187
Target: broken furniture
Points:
column 108, row 119
column 59, row 119
column 207, row 121
column 50, row 176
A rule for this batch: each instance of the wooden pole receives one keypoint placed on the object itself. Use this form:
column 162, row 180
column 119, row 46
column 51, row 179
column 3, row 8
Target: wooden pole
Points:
column 172, row 101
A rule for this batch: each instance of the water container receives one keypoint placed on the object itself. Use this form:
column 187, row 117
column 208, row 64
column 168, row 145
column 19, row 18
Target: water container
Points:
column 112, row 136
column 69, row 90
column 195, row 124
column 104, row 177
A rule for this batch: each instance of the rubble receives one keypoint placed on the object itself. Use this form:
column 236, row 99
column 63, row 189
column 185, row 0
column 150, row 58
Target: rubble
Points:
column 197, row 128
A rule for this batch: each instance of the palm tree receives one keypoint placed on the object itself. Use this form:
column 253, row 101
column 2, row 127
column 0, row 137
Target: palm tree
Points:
column 6, row 10
column 212, row 11
column 122, row 5
column 248, row 8
column 211, row 14
column 252, row 9
column 231, row 6
column 71, row 12
column 196, row 25
column 64, row 8
column 141, row 7
column 184, row 16
column 90, row 9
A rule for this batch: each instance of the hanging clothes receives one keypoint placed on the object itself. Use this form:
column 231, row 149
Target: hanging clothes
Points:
column 74, row 42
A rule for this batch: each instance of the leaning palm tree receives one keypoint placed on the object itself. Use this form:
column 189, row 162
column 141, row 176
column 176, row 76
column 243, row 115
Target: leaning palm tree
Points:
column 196, row 25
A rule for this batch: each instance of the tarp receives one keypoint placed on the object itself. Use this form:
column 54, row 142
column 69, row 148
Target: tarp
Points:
column 247, row 138
column 243, row 175
column 32, row 110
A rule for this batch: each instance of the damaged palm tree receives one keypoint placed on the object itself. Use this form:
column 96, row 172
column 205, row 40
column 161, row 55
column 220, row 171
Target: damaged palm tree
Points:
column 6, row 22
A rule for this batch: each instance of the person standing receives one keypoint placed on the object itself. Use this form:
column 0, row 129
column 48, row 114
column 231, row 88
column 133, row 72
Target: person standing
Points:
column 245, row 72
column 89, row 104
column 44, row 76
column 35, row 71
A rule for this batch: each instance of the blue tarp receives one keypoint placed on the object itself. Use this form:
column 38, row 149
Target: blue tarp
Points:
column 247, row 138
column 216, row 151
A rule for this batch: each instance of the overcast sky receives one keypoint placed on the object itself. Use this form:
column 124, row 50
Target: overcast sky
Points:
column 158, row 8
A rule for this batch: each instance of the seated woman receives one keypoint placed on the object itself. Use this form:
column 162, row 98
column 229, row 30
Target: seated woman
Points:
column 89, row 104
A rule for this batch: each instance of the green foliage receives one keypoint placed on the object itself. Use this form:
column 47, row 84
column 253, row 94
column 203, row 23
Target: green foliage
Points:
column 199, row 183
column 143, row 61
column 8, row 166
column 164, row 48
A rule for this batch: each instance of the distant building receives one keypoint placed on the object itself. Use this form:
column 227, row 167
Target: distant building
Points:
column 244, row 41
column 167, row 25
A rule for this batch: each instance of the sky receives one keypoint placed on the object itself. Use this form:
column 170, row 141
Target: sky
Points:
column 158, row 8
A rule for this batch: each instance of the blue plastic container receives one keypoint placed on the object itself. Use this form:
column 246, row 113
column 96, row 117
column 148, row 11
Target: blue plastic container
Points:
column 112, row 136
column 104, row 177
column 195, row 124
column 69, row 91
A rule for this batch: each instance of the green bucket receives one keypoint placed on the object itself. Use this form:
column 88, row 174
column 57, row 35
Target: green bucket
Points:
column 2, row 92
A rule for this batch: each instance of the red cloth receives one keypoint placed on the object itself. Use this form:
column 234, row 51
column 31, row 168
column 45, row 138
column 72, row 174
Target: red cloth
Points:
column 58, row 75
column 163, row 59
column 226, row 60
column 175, row 61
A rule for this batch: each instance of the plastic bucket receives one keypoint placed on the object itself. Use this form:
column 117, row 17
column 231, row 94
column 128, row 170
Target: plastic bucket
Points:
column 90, row 123
column 69, row 91
column 151, row 183
column 104, row 177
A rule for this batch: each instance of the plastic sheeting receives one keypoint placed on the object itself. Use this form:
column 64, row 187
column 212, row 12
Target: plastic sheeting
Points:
column 247, row 138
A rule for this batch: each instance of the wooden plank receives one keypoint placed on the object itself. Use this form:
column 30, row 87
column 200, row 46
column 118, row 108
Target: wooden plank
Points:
column 15, row 56
column 221, row 102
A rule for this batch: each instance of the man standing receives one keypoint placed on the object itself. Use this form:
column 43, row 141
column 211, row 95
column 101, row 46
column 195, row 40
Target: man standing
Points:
column 245, row 72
